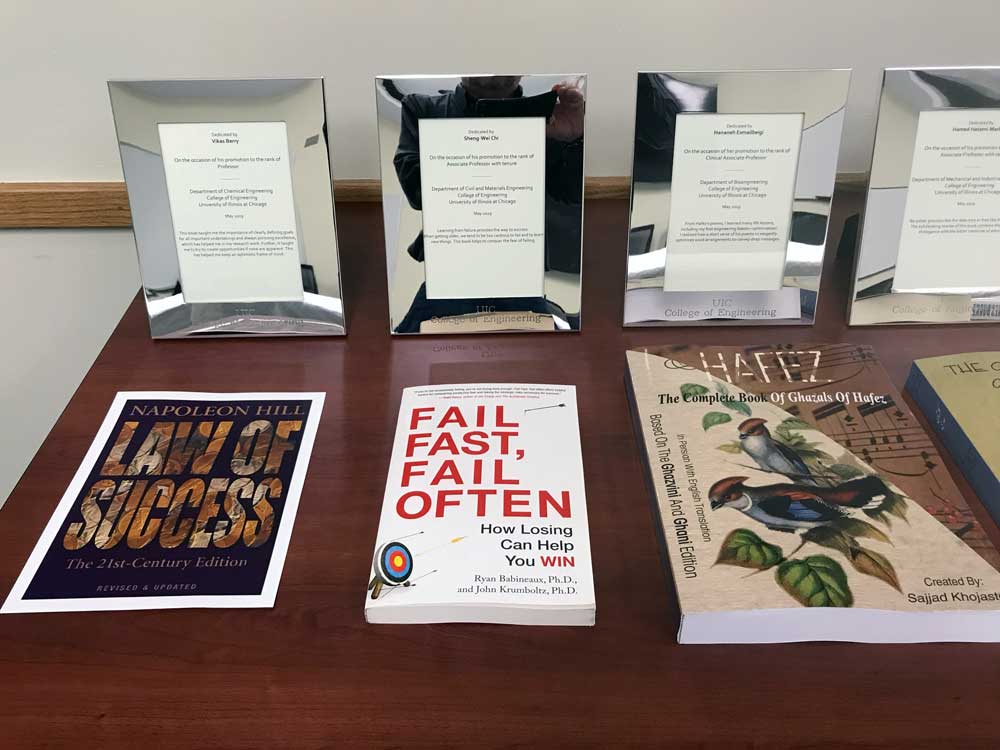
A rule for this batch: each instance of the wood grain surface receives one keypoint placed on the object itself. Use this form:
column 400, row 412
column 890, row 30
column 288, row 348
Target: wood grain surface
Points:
column 310, row 673
column 35, row 205
column 28, row 205
column 83, row 205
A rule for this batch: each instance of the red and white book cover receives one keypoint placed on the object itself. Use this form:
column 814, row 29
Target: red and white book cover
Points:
column 485, row 516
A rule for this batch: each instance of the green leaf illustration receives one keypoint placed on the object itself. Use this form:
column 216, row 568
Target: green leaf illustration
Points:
column 895, row 505
column 745, row 549
column 713, row 418
column 733, row 446
column 815, row 581
column 830, row 537
column 845, row 471
column 794, row 423
column 739, row 406
column 797, row 442
column 784, row 435
column 855, row 527
column 789, row 438
column 873, row 564
column 879, row 515
column 892, row 505
column 731, row 403
column 692, row 389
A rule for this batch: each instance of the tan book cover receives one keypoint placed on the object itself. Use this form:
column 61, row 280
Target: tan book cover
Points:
column 960, row 395
column 799, row 499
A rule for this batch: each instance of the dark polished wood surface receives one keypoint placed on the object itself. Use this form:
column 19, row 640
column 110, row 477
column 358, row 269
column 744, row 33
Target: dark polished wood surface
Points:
column 310, row 673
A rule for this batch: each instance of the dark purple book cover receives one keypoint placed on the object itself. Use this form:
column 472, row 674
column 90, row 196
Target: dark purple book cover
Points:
column 183, row 500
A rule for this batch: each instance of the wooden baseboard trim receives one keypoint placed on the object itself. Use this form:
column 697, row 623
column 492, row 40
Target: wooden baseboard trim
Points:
column 69, row 205
column 31, row 205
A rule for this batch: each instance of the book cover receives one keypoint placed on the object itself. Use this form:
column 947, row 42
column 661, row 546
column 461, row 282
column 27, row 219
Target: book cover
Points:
column 960, row 395
column 484, row 517
column 798, row 499
column 182, row 500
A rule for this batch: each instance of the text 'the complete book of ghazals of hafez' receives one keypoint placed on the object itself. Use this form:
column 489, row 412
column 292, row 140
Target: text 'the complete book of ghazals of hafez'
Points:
column 797, row 498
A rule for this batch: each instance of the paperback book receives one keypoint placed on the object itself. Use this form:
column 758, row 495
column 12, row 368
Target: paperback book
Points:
column 798, row 499
column 960, row 396
column 484, row 517
column 182, row 500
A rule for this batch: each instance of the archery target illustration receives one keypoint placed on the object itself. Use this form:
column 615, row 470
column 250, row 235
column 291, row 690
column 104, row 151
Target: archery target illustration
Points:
column 394, row 563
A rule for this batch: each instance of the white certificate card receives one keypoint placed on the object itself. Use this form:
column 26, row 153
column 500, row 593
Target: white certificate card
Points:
column 482, row 184
column 230, row 191
column 731, row 200
column 950, row 240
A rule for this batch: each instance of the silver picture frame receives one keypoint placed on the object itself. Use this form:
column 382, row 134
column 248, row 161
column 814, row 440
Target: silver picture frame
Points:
column 820, row 97
column 296, row 106
column 879, row 295
column 403, row 102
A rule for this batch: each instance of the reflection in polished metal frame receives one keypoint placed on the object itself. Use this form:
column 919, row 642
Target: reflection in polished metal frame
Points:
column 139, row 108
column 906, row 93
column 821, row 97
column 417, row 97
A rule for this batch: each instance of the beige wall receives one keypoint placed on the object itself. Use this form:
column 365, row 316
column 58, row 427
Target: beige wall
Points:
column 57, row 56
column 61, row 294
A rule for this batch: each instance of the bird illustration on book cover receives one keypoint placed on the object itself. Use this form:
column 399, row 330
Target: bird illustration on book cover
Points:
column 820, row 499
column 788, row 499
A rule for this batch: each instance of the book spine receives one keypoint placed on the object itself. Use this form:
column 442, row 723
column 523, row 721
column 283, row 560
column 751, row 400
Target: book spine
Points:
column 658, row 522
column 963, row 450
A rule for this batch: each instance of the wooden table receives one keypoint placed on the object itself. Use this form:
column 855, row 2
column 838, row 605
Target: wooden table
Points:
column 310, row 673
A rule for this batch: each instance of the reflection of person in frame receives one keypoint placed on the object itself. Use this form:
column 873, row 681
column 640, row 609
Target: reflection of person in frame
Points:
column 563, row 188
column 659, row 99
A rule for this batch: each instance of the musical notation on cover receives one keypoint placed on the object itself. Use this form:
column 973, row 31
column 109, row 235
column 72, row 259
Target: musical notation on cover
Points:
column 888, row 439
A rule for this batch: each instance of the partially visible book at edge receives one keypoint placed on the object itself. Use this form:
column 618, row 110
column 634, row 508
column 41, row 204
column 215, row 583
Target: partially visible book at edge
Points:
column 484, row 517
column 798, row 499
column 960, row 396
